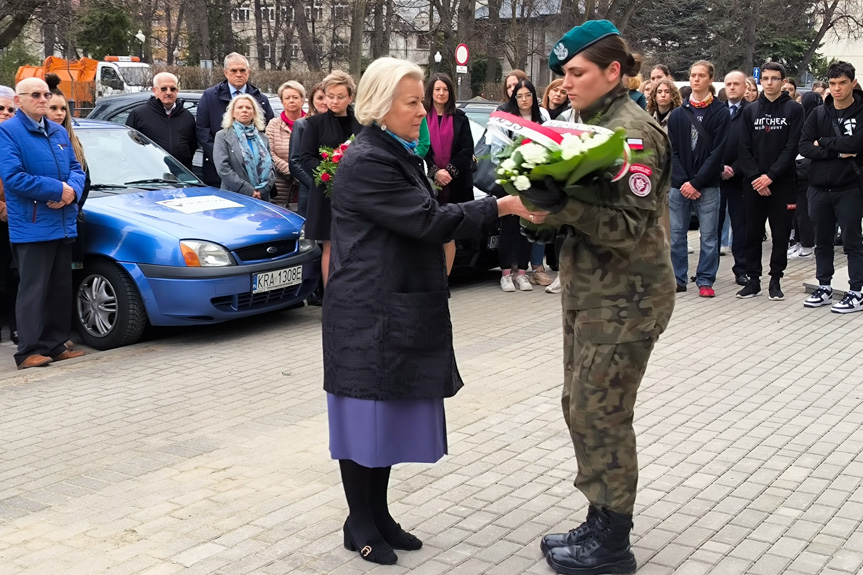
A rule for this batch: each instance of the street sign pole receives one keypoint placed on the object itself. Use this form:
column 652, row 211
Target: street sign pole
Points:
column 461, row 58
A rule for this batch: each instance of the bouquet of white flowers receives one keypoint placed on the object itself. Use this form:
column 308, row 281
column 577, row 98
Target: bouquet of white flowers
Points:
column 568, row 153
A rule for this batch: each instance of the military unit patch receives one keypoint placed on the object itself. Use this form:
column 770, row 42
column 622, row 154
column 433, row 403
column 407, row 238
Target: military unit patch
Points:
column 639, row 184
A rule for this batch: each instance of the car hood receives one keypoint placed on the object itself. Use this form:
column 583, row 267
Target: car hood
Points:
column 230, row 219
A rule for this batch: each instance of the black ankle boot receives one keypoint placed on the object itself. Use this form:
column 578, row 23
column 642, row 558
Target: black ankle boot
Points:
column 605, row 550
column 574, row 537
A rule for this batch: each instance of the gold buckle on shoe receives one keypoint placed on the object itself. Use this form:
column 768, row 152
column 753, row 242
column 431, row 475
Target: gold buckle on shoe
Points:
column 366, row 551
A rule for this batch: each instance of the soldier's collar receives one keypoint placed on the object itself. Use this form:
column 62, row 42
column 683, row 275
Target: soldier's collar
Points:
column 593, row 114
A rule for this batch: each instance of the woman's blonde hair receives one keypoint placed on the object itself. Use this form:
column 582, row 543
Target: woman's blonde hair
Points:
column 293, row 85
column 635, row 82
column 339, row 78
column 546, row 96
column 228, row 118
column 379, row 85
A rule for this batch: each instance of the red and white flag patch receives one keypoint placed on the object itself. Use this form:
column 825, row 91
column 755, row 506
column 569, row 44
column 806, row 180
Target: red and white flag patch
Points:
column 635, row 144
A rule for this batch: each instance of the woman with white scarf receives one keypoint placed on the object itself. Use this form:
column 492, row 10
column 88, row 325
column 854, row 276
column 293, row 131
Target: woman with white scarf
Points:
column 241, row 151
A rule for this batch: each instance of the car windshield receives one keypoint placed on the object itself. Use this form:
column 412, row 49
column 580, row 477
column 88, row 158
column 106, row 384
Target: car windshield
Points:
column 123, row 160
column 136, row 75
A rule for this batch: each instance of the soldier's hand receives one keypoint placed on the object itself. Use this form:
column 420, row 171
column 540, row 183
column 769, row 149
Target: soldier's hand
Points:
column 547, row 195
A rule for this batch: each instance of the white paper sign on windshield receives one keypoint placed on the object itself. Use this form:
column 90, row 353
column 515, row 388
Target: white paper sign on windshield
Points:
column 199, row 204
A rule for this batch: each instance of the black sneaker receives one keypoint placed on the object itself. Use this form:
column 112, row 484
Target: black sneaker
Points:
column 741, row 280
column 849, row 304
column 752, row 289
column 774, row 291
column 680, row 288
column 819, row 297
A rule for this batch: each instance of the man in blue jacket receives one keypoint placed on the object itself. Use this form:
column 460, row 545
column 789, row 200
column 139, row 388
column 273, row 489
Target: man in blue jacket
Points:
column 42, row 180
column 214, row 102
column 697, row 130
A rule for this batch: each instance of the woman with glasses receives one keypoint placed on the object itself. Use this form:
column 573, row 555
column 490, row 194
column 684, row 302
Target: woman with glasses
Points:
column 330, row 129
column 279, row 132
column 514, row 251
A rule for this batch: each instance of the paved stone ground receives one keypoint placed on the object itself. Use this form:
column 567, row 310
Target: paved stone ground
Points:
column 206, row 451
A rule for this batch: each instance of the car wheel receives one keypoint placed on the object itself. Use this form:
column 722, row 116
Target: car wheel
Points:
column 109, row 312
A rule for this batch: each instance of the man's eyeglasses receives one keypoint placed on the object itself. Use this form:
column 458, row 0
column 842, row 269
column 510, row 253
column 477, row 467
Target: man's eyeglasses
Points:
column 4, row 108
column 37, row 95
column 166, row 88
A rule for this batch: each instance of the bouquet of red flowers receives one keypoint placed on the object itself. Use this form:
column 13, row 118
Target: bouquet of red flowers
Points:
column 325, row 173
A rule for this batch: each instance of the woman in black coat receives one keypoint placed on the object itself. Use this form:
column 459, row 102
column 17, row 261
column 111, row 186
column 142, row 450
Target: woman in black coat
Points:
column 451, row 151
column 387, row 336
column 330, row 129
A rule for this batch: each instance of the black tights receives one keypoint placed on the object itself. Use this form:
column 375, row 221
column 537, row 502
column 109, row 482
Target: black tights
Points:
column 366, row 492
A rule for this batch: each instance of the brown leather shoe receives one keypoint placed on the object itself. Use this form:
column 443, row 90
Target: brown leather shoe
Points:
column 68, row 355
column 35, row 360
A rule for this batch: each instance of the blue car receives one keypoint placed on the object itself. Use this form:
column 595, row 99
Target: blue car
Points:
column 161, row 248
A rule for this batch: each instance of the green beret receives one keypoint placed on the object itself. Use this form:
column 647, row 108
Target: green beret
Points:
column 577, row 40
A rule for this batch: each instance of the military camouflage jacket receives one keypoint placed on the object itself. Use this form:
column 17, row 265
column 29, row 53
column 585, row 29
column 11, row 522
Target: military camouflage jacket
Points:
column 618, row 252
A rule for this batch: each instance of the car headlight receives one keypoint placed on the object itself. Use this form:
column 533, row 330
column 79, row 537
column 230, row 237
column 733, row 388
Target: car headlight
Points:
column 199, row 253
column 305, row 245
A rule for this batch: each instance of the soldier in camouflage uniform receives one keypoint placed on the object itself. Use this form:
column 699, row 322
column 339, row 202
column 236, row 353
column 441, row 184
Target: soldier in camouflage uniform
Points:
column 618, row 295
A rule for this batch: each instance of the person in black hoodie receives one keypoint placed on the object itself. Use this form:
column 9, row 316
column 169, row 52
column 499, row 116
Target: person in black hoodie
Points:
column 697, row 130
column 165, row 120
column 804, row 234
column 732, row 181
column 833, row 139
column 769, row 140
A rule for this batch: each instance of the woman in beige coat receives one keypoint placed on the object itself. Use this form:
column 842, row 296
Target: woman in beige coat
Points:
column 292, row 94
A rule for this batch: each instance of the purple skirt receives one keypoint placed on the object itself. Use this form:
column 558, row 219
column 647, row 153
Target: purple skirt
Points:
column 383, row 433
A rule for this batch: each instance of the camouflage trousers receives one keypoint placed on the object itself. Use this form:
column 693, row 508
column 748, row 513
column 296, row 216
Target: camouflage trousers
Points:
column 605, row 356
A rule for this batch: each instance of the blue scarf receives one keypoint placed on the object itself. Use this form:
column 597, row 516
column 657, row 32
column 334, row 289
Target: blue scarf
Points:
column 409, row 146
column 256, row 156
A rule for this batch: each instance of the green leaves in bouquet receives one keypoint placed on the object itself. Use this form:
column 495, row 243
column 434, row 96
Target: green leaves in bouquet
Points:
column 559, row 170
column 599, row 157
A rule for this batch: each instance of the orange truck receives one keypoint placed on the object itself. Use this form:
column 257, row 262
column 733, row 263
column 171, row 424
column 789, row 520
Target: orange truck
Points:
column 87, row 80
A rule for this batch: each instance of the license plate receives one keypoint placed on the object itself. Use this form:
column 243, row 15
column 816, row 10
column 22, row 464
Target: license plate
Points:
column 268, row 281
column 493, row 242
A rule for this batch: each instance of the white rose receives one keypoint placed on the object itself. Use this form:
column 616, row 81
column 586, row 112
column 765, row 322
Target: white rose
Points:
column 596, row 140
column 508, row 165
column 521, row 183
column 571, row 146
column 533, row 153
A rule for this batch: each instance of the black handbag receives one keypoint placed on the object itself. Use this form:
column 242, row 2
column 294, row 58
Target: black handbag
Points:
column 484, row 176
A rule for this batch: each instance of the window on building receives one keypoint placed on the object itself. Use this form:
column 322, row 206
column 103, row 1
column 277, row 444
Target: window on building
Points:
column 240, row 14
column 423, row 42
column 295, row 51
column 268, row 14
column 315, row 12
column 266, row 51
column 341, row 10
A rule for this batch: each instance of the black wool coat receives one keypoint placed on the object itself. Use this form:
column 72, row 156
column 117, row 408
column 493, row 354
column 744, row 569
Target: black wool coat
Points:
column 386, row 325
column 460, row 162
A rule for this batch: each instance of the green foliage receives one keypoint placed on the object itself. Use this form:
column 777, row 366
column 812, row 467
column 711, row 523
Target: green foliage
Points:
column 819, row 65
column 478, row 71
column 13, row 56
column 105, row 28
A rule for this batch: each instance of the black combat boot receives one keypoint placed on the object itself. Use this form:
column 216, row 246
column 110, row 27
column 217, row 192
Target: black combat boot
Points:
column 605, row 550
column 574, row 537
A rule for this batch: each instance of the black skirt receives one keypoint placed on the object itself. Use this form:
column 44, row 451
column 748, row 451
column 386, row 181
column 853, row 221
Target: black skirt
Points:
column 319, row 216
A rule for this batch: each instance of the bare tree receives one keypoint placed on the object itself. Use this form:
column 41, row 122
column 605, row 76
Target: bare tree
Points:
column 844, row 17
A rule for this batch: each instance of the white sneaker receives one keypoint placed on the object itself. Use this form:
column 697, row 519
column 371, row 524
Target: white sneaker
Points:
column 522, row 283
column 793, row 251
column 555, row 285
column 506, row 283
column 690, row 249
column 723, row 251
column 850, row 303
column 804, row 252
column 819, row 297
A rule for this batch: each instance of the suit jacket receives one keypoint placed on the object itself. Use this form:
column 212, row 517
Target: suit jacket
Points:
column 229, row 163
column 208, row 120
column 732, row 146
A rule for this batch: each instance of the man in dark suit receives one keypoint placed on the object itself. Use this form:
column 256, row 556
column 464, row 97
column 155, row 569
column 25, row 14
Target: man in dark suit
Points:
column 731, row 191
column 214, row 102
